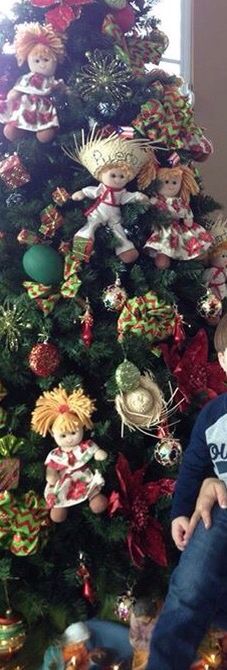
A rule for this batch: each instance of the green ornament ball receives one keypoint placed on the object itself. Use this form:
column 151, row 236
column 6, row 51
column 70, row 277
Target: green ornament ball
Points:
column 127, row 376
column 43, row 264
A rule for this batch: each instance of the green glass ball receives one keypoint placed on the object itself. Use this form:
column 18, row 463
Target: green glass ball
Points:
column 127, row 376
column 43, row 264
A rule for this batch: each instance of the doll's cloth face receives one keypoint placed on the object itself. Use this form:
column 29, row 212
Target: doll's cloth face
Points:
column 67, row 440
column 114, row 177
column 170, row 187
column 41, row 60
column 219, row 260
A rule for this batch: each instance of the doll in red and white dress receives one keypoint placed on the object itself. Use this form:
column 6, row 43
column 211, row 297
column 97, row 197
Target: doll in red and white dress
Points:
column 29, row 105
column 215, row 277
column 70, row 477
column 182, row 238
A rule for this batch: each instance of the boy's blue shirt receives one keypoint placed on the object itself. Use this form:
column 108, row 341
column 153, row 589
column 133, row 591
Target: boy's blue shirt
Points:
column 205, row 456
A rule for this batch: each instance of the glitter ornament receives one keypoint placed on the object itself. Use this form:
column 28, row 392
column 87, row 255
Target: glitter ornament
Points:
column 12, row 324
column 104, row 75
column 127, row 376
column 114, row 296
column 12, row 635
column 210, row 307
column 124, row 605
column 15, row 200
column 168, row 451
column 44, row 359
column 87, row 322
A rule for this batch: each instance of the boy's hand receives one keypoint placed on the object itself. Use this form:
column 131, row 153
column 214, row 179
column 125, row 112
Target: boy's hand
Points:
column 212, row 491
column 179, row 528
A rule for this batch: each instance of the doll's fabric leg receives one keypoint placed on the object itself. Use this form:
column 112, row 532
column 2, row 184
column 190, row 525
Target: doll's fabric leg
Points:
column 125, row 249
column 83, row 241
column 195, row 596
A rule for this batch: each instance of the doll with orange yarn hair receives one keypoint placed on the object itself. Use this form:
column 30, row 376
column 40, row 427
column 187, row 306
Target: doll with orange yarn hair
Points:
column 183, row 238
column 215, row 277
column 29, row 106
column 69, row 478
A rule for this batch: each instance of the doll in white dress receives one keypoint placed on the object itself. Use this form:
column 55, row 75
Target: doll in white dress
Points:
column 29, row 106
column 182, row 238
column 70, row 479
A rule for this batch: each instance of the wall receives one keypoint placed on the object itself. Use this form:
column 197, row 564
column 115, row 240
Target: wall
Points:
column 209, row 78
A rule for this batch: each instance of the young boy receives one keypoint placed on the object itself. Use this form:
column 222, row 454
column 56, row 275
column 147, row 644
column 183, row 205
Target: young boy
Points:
column 197, row 595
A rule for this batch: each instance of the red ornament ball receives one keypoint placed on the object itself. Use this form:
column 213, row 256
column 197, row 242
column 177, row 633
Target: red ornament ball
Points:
column 125, row 18
column 44, row 359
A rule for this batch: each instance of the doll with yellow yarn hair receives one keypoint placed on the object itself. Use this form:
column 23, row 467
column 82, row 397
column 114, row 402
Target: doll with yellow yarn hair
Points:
column 114, row 162
column 29, row 106
column 183, row 238
column 70, row 480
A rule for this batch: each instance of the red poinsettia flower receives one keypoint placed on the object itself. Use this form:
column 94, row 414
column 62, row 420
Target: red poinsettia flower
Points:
column 192, row 370
column 145, row 537
column 66, row 11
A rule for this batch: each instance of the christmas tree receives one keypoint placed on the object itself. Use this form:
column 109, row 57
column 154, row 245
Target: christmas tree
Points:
column 106, row 324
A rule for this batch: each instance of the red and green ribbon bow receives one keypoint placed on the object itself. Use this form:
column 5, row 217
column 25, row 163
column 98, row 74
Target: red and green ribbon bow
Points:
column 46, row 297
column 23, row 522
column 135, row 50
column 168, row 119
column 148, row 316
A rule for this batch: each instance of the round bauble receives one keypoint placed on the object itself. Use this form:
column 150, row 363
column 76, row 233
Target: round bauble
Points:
column 12, row 635
column 124, row 605
column 114, row 297
column 44, row 359
column 127, row 376
column 168, row 451
column 43, row 264
column 210, row 308
column 125, row 18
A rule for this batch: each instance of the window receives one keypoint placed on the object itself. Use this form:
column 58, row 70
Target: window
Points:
column 175, row 19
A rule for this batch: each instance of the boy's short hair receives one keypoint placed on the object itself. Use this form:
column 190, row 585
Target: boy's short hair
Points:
column 220, row 336
column 145, row 606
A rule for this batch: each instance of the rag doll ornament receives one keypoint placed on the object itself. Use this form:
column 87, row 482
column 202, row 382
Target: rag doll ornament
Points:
column 183, row 238
column 113, row 161
column 29, row 105
column 215, row 277
column 70, row 479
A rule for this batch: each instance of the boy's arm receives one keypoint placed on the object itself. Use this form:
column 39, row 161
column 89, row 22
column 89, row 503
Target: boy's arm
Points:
column 195, row 467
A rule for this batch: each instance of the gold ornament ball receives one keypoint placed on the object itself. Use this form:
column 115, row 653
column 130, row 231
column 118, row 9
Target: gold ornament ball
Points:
column 12, row 635
column 168, row 452
column 114, row 297
column 210, row 307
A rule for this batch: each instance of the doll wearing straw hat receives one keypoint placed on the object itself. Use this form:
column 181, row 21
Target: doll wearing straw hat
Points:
column 215, row 277
column 29, row 104
column 113, row 161
column 70, row 480
column 183, row 238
